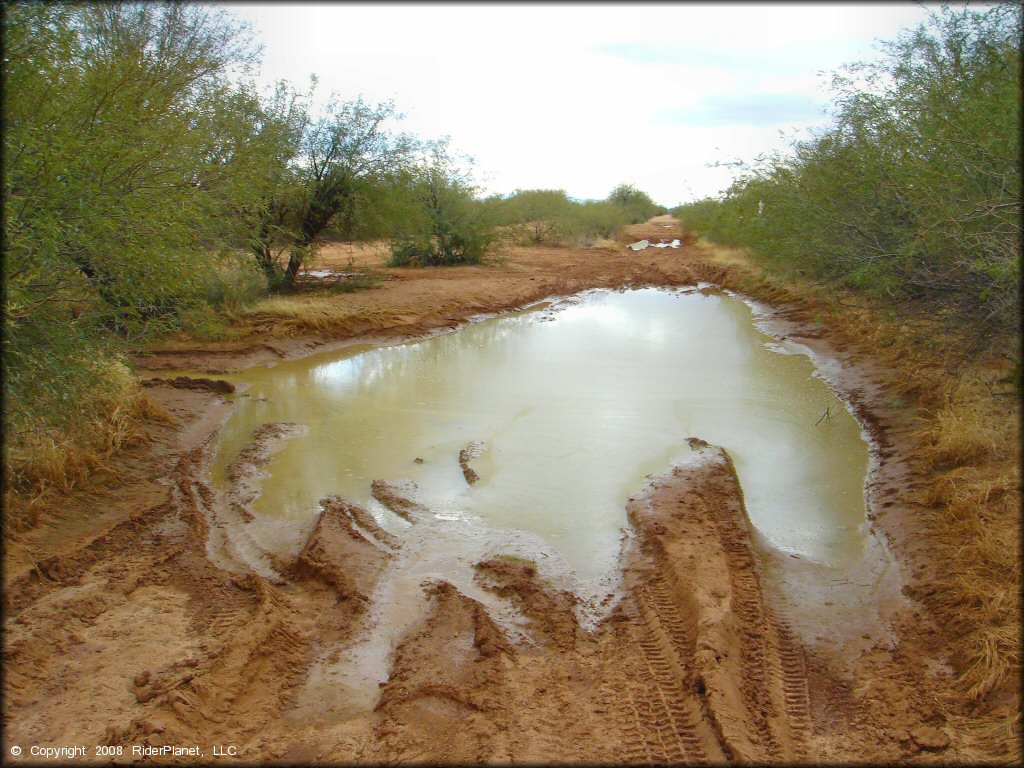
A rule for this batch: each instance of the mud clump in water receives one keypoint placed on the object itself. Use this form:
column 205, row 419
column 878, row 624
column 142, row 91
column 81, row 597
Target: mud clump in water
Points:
column 466, row 455
column 338, row 554
column 265, row 441
column 551, row 612
column 198, row 383
column 395, row 496
column 459, row 629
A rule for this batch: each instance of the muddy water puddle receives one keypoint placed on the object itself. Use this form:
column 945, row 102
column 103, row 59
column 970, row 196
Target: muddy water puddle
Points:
column 565, row 408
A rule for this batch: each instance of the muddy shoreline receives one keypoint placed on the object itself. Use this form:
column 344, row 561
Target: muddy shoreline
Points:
column 684, row 669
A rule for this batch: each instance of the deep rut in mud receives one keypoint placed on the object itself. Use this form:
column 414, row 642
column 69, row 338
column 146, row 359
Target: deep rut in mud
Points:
column 711, row 669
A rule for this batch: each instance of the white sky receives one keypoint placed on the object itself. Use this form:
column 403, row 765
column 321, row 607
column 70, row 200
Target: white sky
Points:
column 582, row 97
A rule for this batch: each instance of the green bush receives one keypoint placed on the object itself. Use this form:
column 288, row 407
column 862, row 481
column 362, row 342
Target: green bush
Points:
column 235, row 282
column 637, row 205
column 539, row 216
column 448, row 226
column 595, row 220
column 550, row 217
column 461, row 243
column 119, row 155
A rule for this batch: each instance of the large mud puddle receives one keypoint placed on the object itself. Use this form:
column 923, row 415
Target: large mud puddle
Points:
column 560, row 412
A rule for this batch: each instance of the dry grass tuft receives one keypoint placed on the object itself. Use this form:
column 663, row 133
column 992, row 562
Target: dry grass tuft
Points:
column 285, row 316
column 973, row 512
column 991, row 736
column 722, row 254
column 970, row 446
column 42, row 463
column 967, row 429
column 282, row 316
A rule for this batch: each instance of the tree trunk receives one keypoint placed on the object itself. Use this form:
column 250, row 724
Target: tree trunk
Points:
column 292, row 271
column 265, row 260
column 261, row 246
column 299, row 251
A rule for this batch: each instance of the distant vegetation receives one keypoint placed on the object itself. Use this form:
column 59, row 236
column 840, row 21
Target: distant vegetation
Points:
column 914, row 192
column 551, row 217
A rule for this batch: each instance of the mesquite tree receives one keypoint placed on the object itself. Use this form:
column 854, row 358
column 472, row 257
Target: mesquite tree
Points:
column 117, row 156
column 446, row 225
column 340, row 157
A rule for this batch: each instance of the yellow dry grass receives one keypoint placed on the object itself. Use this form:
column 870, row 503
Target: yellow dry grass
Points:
column 967, row 429
column 44, row 464
column 281, row 316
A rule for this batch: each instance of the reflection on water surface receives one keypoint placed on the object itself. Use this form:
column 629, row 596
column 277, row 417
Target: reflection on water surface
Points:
column 575, row 405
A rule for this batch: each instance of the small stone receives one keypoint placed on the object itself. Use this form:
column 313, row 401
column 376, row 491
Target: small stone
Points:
column 149, row 727
column 144, row 694
column 141, row 679
column 927, row 737
column 417, row 460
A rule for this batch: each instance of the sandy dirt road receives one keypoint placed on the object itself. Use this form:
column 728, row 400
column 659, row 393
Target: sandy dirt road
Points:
column 125, row 628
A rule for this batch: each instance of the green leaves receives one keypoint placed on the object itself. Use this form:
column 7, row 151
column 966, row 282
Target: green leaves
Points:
column 120, row 151
column 915, row 190
column 637, row 205
column 447, row 225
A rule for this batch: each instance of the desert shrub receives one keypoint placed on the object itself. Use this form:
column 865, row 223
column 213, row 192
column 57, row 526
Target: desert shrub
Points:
column 550, row 217
column 637, row 205
column 539, row 216
column 235, row 282
column 596, row 221
column 448, row 226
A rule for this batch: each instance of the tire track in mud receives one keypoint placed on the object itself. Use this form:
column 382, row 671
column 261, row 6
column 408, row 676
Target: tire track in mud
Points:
column 620, row 696
column 710, row 674
column 651, row 698
column 773, row 668
column 254, row 644
column 669, row 650
column 795, row 691
column 755, row 649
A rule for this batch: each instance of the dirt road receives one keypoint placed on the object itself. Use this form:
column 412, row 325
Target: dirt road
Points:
column 126, row 626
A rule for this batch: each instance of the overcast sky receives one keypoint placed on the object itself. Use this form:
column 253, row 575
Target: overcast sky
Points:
column 582, row 97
